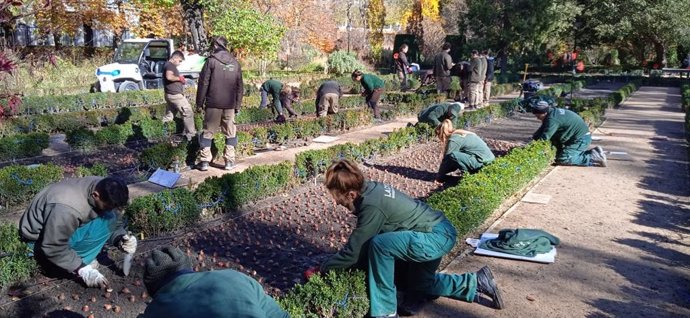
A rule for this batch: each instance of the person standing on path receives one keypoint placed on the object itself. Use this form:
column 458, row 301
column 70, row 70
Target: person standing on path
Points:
column 327, row 98
column 435, row 114
column 373, row 89
column 482, row 79
column 442, row 65
column 402, row 66
column 173, row 86
column 475, row 79
column 489, row 77
column 178, row 291
column 68, row 223
column 569, row 133
column 392, row 227
column 462, row 150
column 220, row 94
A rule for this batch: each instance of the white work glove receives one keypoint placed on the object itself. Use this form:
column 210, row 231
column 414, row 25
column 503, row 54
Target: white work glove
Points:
column 128, row 244
column 92, row 277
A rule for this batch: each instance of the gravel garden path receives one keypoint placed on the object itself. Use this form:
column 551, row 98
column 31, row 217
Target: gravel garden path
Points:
column 625, row 229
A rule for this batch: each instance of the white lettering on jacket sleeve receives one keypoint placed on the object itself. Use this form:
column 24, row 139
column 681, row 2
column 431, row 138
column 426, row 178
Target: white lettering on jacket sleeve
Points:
column 390, row 192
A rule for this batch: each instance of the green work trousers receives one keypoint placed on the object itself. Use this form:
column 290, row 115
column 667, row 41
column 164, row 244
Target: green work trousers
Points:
column 459, row 160
column 422, row 254
column 575, row 153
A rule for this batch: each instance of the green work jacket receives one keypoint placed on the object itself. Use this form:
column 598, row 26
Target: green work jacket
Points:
column 222, row 293
column 381, row 208
column 561, row 127
column 371, row 82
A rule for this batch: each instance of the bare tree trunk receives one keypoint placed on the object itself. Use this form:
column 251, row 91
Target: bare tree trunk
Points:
column 660, row 51
column 56, row 39
column 90, row 46
column 194, row 22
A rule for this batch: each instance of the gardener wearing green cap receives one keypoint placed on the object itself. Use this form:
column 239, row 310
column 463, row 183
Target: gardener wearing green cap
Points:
column 178, row 291
column 569, row 133
column 435, row 114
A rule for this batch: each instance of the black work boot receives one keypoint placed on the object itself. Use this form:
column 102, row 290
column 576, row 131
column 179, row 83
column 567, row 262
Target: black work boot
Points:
column 202, row 166
column 487, row 286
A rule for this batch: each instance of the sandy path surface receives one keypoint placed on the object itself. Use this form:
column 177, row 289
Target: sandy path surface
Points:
column 625, row 229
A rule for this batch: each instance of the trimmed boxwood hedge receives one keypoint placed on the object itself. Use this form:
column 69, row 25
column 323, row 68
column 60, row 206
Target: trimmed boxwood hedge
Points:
column 20, row 183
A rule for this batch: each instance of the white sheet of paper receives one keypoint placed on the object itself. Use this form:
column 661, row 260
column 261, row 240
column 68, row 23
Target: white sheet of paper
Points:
column 536, row 198
column 549, row 257
column 325, row 139
column 164, row 178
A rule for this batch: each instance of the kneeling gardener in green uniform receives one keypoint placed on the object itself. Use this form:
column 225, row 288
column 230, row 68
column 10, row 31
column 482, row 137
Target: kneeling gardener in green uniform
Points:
column 178, row 291
column 569, row 133
column 392, row 227
column 68, row 223
column 462, row 150
column 435, row 114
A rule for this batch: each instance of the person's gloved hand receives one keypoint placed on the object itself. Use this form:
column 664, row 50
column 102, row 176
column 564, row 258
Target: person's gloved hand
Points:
column 128, row 244
column 182, row 79
column 311, row 271
column 92, row 277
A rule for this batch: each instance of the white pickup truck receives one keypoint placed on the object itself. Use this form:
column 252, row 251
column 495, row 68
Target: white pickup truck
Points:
column 139, row 64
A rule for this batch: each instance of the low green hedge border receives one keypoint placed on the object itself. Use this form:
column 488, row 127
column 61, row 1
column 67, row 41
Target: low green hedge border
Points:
column 15, row 264
column 23, row 146
column 19, row 184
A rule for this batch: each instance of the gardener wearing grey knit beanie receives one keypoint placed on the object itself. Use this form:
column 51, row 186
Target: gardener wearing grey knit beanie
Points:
column 179, row 292
column 164, row 265
column 542, row 107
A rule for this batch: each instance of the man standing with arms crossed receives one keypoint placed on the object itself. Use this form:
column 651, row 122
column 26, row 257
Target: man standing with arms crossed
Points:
column 442, row 65
column 220, row 95
column 475, row 80
column 173, row 84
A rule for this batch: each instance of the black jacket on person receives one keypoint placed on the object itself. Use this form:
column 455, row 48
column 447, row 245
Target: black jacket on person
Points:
column 489, row 69
column 401, row 64
column 220, row 82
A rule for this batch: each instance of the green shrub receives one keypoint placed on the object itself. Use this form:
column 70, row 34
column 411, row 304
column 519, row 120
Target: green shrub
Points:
column 114, row 134
column 23, row 146
column 97, row 169
column 82, row 139
column 162, row 212
column 15, row 264
column 469, row 203
column 237, row 189
column 19, row 184
column 335, row 294
column 344, row 63
column 162, row 155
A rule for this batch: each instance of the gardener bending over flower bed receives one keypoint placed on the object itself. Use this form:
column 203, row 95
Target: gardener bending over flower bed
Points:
column 178, row 291
column 68, row 223
column 392, row 227
column 462, row 150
